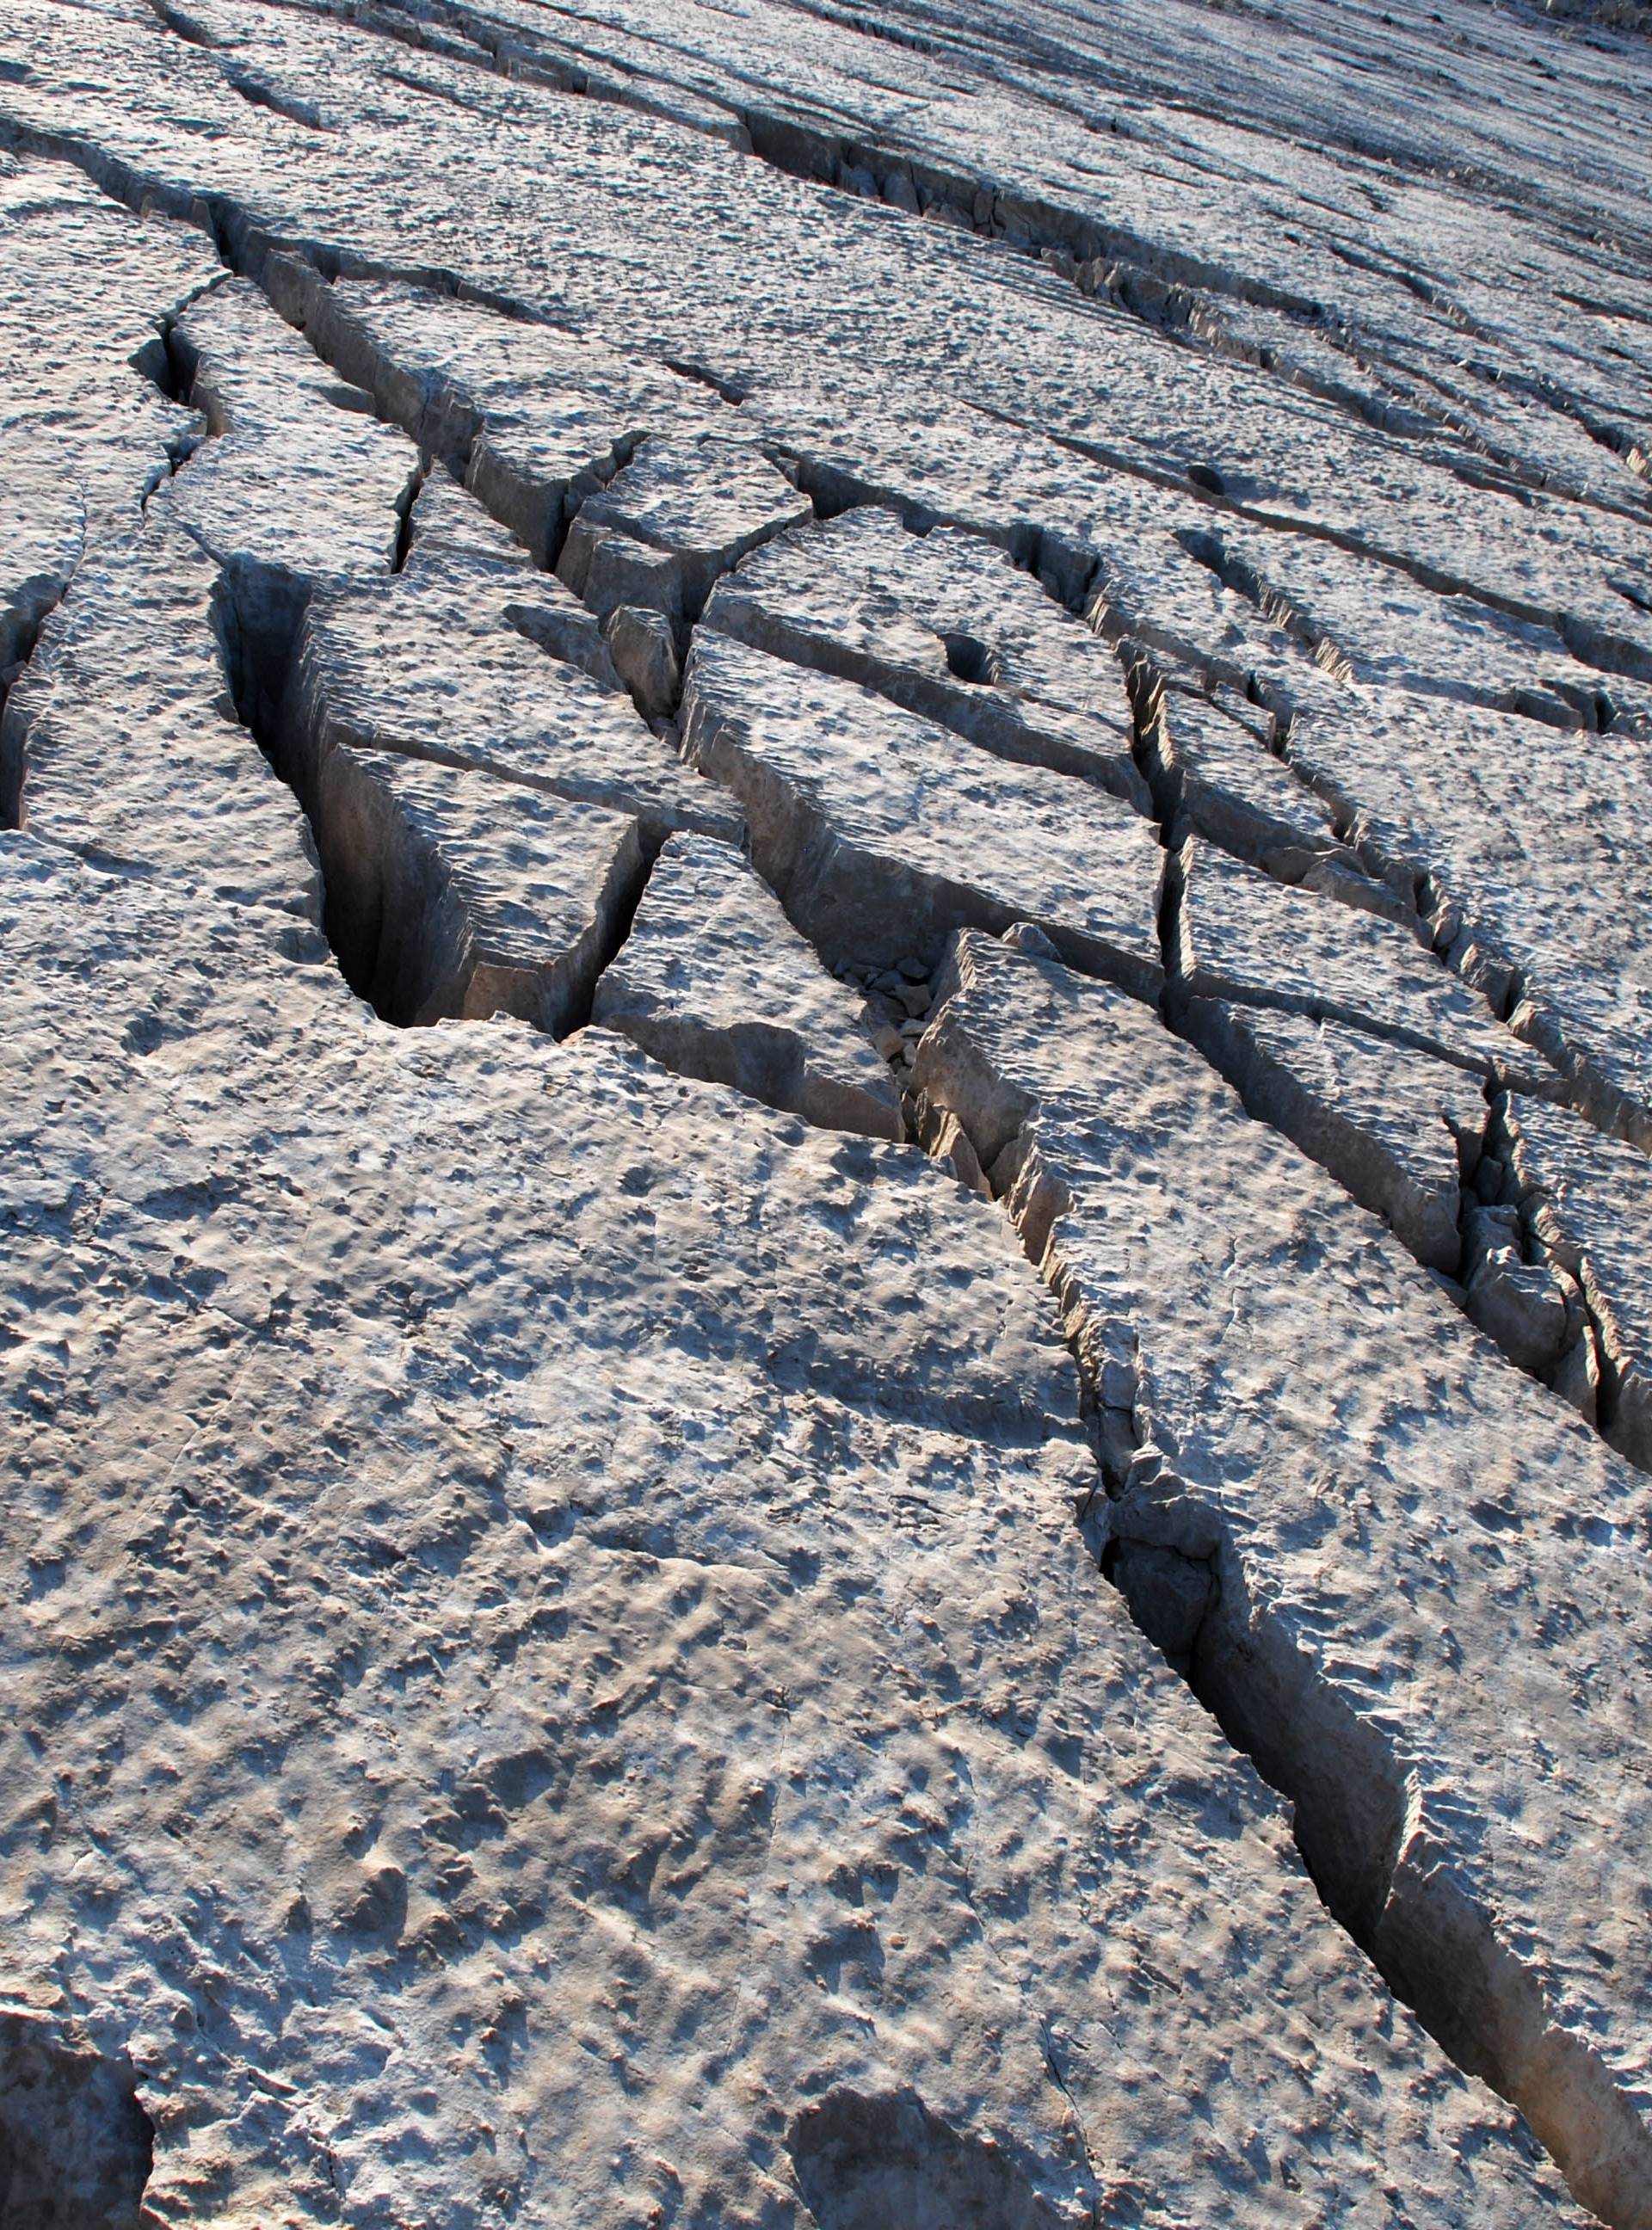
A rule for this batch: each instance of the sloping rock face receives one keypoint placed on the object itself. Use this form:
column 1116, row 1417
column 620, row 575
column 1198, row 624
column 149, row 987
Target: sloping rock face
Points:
column 825, row 1204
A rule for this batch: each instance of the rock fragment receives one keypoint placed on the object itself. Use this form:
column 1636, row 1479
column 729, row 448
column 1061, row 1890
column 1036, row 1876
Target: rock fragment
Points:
column 1240, row 936
column 449, row 894
column 713, row 981
column 1217, row 776
column 1401, row 1131
column 680, row 514
column 944, row 624
column 1587, row 1201
column 882, row 831
column 1377, row 1574
column 432, row 670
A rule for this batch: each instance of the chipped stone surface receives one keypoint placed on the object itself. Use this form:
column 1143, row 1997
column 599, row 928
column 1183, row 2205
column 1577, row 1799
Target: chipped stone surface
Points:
column 714, row 982
column 120, row 740
column 1217, row 775
column 1242, row 936
column 1402, row 1661
column 449, row 894
column 696, row 506
column 301, row 487
column 731, row 1730
column 1588, row 1201
column 1400, row 1129
column 1533, row 839
column 445, row 671
column 569, row 1657
column 878, row 829
column 947, row 627
column 86, row 432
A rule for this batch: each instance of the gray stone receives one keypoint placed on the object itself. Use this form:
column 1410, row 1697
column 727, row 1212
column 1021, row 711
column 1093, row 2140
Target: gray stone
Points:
column 713, row 981
column 944, row 624
column 1588, row 1203
column 1240, row 936
column 1216, row 775
column 88, row 430
column 433, row 670
column 1398, row 1129
column 882, row 831
column 449, row 530
column 120, row 740
column 644, row 652
column 452, row 894
column 696, row 508
column 1398, row 1556
column 640, row 1527
column 301, row 488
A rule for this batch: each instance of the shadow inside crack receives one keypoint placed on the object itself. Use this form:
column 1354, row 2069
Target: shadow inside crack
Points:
column 884, row 2161
column 75, row 2146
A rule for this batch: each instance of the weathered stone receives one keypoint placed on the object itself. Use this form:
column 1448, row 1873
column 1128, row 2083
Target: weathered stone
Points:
column 88, row 431
column 944, row 624
column 300, row 489
column 549, row 1673
column 697, row 508
column 1588, row 1203
column 1240, row 936
column 882, row 831
column 639, row 1527
column 644, row 652
column 1398, row 1129
column 1394, row 1557
column 531, row 419
column 452, row 894
column 120, row 740
column 1215, row 773
column 449, row 531
column 1531, row 842
column 714, row 982
column 433, row 670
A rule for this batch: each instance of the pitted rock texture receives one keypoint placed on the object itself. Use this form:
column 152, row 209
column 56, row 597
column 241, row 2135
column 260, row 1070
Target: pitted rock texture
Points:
column 823, row 1163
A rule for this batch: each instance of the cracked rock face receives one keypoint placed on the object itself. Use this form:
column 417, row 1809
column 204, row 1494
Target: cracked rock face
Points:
column 824, row 1204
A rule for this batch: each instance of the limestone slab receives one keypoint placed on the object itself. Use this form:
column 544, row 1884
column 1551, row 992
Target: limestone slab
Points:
column 433, row 671
column 451, row 894
column 882, row 831
column 301, row 487
column 713, row 981
column 944, row 624
column 120, row 740
column 1533, row 847
column 1242, row 936
column 88, row 431
column 532, row 418
column 1401, row 1131
column 1589, row 1200
column 1217, row 775
column 1379, row 1571
column 697, row 507
column 736, row 1745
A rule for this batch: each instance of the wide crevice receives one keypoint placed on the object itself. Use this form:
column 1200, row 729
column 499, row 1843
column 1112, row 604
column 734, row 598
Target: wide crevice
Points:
column 1360, row 1816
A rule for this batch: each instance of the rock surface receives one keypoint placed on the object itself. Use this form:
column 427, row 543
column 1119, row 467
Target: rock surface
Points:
column 1071, row 589
column 715, row 983
column 880, row 829
column 1403, row 1664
